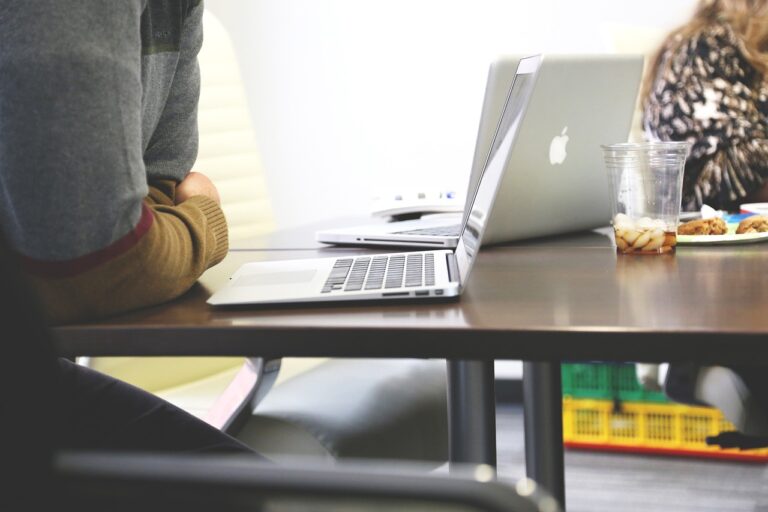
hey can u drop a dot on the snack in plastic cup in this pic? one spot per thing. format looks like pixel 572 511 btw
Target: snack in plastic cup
pixel 645 184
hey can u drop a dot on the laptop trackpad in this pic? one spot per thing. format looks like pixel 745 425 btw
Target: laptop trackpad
pixel 276 278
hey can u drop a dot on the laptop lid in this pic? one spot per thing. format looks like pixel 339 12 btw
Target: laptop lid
pixel 482 197
pixel 556 181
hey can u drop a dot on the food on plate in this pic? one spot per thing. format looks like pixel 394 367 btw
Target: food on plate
pixel 712 226
pixel 753 224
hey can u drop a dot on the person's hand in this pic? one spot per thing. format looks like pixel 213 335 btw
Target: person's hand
pixel 196 184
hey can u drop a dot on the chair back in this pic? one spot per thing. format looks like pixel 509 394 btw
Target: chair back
pixel 228 152
pixel 192 483
pixel 28 383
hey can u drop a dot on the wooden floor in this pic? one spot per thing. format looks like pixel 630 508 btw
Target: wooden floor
pixel 598 482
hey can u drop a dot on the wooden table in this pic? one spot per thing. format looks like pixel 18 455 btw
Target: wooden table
pixel 564 298
pixel 542 301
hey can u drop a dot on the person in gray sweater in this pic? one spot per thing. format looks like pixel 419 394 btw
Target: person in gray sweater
pixel 98 135
pixel 98 102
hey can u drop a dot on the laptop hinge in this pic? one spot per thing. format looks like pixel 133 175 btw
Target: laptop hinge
pixel 453 269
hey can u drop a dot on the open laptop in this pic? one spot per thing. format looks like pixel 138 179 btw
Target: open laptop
pixel 434 274
pixel 556 181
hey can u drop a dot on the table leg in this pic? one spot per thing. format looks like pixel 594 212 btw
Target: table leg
pixel 471 412
pixel 543 421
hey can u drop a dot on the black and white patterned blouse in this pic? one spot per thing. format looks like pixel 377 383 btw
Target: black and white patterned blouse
pixel 706 92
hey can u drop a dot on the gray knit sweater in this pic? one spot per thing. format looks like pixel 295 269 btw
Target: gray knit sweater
pixel 97 97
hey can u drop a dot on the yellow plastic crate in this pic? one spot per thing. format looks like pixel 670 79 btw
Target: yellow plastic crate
pixel 648 427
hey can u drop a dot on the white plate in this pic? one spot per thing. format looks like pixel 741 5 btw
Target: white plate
pixel 758 208
pixel 730 238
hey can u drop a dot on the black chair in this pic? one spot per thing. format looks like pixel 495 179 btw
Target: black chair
pixel 358 408
pixel 27 385
pixel 97 482
pixel 43 477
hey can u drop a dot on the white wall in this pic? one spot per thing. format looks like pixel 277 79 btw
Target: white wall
pixel 352 98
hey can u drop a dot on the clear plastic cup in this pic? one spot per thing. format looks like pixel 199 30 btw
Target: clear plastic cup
pixel 645 181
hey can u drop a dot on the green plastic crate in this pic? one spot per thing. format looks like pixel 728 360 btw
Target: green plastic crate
pixel 606 381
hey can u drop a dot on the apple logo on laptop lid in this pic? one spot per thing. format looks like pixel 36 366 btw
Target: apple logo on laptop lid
pixel 557 151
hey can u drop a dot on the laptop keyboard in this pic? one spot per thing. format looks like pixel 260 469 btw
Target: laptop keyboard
pixel 377 272
pixel 454 230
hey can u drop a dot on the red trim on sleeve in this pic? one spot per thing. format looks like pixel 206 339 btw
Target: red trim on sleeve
pixel 88 261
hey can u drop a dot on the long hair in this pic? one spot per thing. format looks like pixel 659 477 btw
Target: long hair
pixel 747 18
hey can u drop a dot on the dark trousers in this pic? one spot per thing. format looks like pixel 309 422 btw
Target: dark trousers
pixel 681 381
pixel 98 412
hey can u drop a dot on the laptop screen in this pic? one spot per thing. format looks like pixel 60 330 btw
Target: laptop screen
pixel 493 170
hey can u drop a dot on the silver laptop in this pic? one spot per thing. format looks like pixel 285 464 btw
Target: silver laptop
pixel 434 274
pixel 555 181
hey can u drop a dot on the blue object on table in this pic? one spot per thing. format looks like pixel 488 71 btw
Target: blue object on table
pixel 736 217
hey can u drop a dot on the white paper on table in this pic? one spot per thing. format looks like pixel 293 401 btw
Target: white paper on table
pixel 707 212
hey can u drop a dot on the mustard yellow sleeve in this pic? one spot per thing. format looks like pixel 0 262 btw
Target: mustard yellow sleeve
pixel 162 192
pixel 180 244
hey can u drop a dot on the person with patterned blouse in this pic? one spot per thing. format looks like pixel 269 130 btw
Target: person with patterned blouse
pixel 707 85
